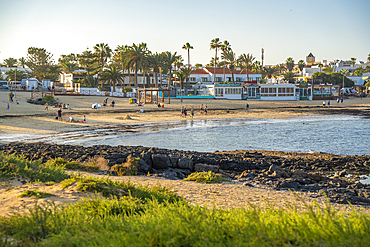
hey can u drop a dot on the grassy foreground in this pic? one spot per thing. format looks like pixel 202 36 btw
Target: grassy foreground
pixel 126 215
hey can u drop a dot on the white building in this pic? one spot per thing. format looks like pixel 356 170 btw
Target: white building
pixel 205 75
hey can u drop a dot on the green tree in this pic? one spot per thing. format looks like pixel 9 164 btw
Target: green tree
pixel 168 60
pixel 180 76
pixel 333 78
pixel 187 47
pixel 112 75
pixel 215 45
pixel 231 61
pixel 104 52
pixel 289 63
pixel 156 63
pixel 256 67
pixel 246 60
pixel 289 76
pixel 301 65
pixel 22 62
pixel 359 71
pixel 10 62
pixel 41 64
pixel 281 68
pixel 353 62
pixel 15 74
pixel 137 54
pixel 329 69
pixel 269 71
pixel 225 47
pixel 187 72
pixel 213 62
pixel 198 65
pixel 68 63
pixel 89 62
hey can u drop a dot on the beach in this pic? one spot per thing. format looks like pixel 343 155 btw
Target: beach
pixel 25 118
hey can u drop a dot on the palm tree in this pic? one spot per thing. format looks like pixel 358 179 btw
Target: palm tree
pixel 22 62
pixel 353 62
pixel 269 71
pixel 179 63
pixel 368 58
pixel 155 62
pixel 329 70
pixel 230 61
pixel 112 75
pixel 359 71
pixel 187 72
pixel 10 62
pixel 256 67
pixel 281 68
pixel 104 53
pixel 198 65
pixel 289 76
pixel 215 44
pixel 122 55
pixel 168 60
pixel 289 63
pixel 301 65
pixel 225 47
pixel 246 61
pixel 187 47
pixel 136 55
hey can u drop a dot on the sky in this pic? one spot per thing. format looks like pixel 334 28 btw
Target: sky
pixel 286 28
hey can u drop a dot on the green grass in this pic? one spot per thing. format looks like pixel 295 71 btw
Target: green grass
pixel 206 177
pixel 35 193
pixel 73 165
pixel 130 215
pixel 18 166
pixel 130 168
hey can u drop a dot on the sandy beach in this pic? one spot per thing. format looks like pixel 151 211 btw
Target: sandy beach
pixel 25 118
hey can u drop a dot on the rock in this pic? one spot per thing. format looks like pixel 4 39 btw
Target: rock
pixel 185 163
pixel 143 166
pixel 342 173
pixel 127 117
pixel 205 168
pixel 161 161
pixel 174 160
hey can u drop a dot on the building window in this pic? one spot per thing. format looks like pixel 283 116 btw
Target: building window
pixel 204 79
pixel 193 78
pixel 218 79
pixel 238 79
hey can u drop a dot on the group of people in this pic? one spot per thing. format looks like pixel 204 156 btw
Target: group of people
pixel 203 110
pixel 105 102
pixel 184 112
pixel 70 119
pixel 328 103
pixel 11 96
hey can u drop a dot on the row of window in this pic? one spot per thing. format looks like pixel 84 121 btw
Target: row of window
pixel 220 91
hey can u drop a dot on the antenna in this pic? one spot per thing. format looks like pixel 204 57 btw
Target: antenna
pixel 262 55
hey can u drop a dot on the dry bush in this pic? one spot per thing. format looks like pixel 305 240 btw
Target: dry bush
pixel 99 162
pixel 129 168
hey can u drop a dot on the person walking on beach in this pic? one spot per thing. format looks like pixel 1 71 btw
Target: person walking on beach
pixel 192 112
pixel 8 107
pixel 182 111
pixel 46 106
pixel 206 109
pixel 201 109
pixel 84 118
pixel 323 103
pixel 341 101
pixel 338 100
pixel 328 103
pixel 60 114
pixel 185 112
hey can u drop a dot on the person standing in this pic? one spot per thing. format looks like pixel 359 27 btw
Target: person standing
pixel 60 114
pixel 46 106
pixel 192 112
pixel 185 112
pixel 328 103
pixel 182 111
pixel 341 100
pixel 84 118
pixel 206 109
pixel 323 103
pixel 201 109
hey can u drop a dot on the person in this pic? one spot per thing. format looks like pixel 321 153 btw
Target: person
pixel 113 103
pixel 64 106
pixel 162 105
pixel 201 109
pixel 247 106
pixel 60 114
pixel 182 111
pixel 71 119
pixel 11 96
pixel 84 118
pixel 192 112
pixel 8 107
pixel 323 103
pixel 46 106
pixel 159 104
pixel 141 110
pixel 68 107
pixel 337 100
pixel 185 112
pixel 328 103
pixel 206 109
pixel 341 101
pixel 17 102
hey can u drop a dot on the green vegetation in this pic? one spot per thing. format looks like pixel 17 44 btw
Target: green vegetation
pixel 89 166
pixel 333 78
pixel 49 99
pixel 131 215
pixel 206 177
pixel 130 168
pixel 35 193
pixel 19 166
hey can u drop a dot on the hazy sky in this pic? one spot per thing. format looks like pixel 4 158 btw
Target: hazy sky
pixel 287 28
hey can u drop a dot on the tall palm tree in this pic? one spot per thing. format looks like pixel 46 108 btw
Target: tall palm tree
pixel 198 65
pixel 289 76
pixel 22 62
pixel 289 63
pixel 353 62
pixel 256 67
pixel 122 56
pixel 187 47
pixel 112 75
pixel 156 63
pixel 225 47
pixel 137 54
pixel 230 61
pixel 329 70
pixel 269 71
pixel 10 62
pixel 168 60
pixel 187 72
pixel 215 44
pixel 246 61
pixel 179 63
pixel 281 68
pixel 301 65
pixel 104 52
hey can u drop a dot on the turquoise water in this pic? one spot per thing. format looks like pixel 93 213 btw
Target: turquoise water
pixel 331 134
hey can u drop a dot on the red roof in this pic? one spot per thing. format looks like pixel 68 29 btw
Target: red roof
pixel 199 71
pixel 227 71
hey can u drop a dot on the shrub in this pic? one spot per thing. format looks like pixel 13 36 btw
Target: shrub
pixel 129 168
pixel 89 166
pixel 49 99
pixel 35 193
pixel 127 89
pixel 206 177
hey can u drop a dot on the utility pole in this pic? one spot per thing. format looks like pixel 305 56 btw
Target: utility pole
pixel 262 56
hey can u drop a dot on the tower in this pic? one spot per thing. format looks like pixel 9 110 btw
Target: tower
pixel 262 55
pixel 310 59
